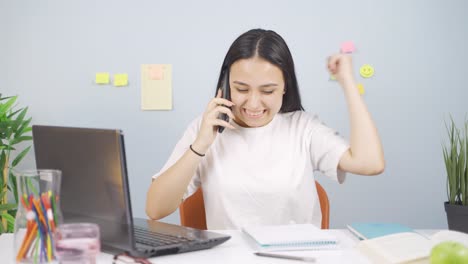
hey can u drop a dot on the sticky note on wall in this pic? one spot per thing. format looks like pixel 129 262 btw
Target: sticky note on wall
pixel 120 79
pixel 347 47
pixel 360 87
pixel 156 86
pixel 102 78
pixel 156 72
pixel 366 71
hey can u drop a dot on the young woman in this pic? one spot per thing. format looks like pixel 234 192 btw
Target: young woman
pixel 259 171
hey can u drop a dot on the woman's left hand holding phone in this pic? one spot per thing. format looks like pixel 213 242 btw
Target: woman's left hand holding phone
pixel 210 122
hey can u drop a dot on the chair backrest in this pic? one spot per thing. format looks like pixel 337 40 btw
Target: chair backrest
pixel 192 210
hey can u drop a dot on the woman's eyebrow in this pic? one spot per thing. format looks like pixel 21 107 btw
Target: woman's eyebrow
pixel 240 83
pixel 268 85
pixel 261 86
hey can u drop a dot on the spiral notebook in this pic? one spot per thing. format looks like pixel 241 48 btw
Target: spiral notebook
pixel 291 237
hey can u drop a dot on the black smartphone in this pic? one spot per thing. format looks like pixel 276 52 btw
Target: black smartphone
pixel 226 95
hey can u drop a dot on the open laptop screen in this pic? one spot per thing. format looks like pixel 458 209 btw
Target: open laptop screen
pixel 94 182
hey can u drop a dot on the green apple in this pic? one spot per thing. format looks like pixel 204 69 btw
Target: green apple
pixel 449 252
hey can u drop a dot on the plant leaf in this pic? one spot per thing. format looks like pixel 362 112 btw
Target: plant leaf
pixel 23 128
pixel 8 206
pixel 10 220
pixel 4 108
pixel 19 118
pixel 2 165
pixel 10 116
pixel 14 185
pixel 4 98
pixel 20 156
pixel 20 139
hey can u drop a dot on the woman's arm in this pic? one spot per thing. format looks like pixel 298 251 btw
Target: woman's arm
pixel 365 155
pixel 167 190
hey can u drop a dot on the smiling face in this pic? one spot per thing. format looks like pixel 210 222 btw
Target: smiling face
pixel 366 71
pixel 257 89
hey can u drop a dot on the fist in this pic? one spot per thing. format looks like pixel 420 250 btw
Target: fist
pixel 341 66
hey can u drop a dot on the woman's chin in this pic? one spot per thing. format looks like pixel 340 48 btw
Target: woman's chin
pixel 248 122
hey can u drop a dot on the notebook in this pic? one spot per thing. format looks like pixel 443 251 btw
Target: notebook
pixel 291 237
pixel 373 230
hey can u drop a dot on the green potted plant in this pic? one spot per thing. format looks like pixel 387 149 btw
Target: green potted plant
pixel 456 164
pixel 14 129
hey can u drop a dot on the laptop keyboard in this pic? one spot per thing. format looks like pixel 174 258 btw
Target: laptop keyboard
pixel 150 238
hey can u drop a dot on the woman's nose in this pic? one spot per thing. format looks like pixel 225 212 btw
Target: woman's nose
pixel 253 101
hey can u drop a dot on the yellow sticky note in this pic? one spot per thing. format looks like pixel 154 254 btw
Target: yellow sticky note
pixel 102 78
pixel 121 79
pixel 156 87
pixel 360 88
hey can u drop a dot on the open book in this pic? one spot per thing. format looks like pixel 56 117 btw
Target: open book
pixel 291 237
pixel 405 247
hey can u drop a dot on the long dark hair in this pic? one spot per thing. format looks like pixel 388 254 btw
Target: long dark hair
pixel 269 46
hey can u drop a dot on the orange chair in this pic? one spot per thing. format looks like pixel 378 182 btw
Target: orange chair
pixel 192 210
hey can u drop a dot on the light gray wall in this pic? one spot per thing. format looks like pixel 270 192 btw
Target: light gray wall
pixel 50 51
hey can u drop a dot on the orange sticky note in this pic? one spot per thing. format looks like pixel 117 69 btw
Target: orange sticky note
pixel 156 72
pixel 347 47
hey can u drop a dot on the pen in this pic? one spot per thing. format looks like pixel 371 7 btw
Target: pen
pixel 272 255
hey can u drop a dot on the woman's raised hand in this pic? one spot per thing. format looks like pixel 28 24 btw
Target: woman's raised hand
pixel 341 66
pixel 210 122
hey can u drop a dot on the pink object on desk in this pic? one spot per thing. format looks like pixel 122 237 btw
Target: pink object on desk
pixel 78 243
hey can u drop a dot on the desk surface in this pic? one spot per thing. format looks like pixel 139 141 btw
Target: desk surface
pixel 238 249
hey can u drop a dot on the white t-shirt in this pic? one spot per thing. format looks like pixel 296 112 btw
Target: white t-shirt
pixel 264 175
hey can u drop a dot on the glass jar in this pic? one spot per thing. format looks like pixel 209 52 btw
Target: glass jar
pixel 38 215
pixel 77 243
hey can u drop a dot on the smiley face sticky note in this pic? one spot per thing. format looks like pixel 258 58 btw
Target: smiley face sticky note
pixel 120 79
pixel 366 71
pixel 102 78
pixel 360 88
pixel 347 47
pixel 156 72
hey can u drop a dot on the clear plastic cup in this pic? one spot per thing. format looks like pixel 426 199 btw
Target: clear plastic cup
pixel 77 243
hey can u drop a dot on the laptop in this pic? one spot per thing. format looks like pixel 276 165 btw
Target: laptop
pixel 95 189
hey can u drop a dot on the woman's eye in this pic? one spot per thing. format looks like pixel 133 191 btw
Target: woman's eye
pixel 267 92
pixel 242 90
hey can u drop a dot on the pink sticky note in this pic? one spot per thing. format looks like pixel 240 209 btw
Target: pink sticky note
pixel 347 47
pixel 156 72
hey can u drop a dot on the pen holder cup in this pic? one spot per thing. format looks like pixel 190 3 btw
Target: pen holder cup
pixel 38 215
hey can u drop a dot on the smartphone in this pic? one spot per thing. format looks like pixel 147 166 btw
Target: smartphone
pixel 226 95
